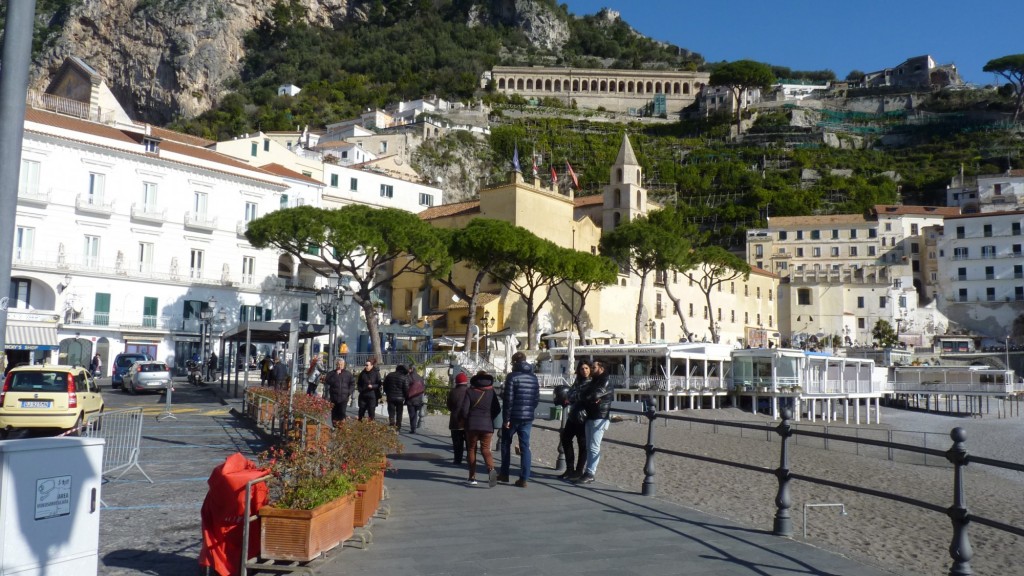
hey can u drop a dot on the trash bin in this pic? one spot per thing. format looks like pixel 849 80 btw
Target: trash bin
pixel 222 513
pixel 556 413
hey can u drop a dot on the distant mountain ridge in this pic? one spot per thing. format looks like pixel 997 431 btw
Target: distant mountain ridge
pixel 174 59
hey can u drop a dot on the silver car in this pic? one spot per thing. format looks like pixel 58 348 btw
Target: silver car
pixel 147 375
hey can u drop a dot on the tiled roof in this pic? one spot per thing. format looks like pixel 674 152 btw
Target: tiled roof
pixel 782 221
pixel 986 214
pixel 583 201
pixel 119 139
pixel 454 209
pixel 762 272
pixel 893 210
pixel 165 134
pixel 285 172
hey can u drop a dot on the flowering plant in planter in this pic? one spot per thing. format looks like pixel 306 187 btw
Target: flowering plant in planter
pixel 305 474
pixel 310 406
pixel 363 446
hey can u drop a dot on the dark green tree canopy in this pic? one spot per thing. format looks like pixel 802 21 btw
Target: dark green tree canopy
pixel 743 74
pixel 1012 68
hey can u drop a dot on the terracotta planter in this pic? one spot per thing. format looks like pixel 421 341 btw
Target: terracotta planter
pixel 302 535
pixel 367 498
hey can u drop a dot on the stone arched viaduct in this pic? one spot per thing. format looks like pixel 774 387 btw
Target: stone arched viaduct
pixel 616 90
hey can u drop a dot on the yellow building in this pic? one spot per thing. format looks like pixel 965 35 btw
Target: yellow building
pixel 745 311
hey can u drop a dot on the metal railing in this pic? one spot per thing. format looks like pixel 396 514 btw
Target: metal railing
pixel 957 455
pixel 122 431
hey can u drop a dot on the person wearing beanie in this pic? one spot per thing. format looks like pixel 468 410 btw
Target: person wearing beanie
pixel 480 408
pixel 456 421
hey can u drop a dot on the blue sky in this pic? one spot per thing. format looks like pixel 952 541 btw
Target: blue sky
pixel 842 36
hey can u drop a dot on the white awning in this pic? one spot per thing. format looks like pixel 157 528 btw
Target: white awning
pixel 31 337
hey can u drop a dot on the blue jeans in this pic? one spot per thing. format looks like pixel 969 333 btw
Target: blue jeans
pixel 595 433
pixel 522 428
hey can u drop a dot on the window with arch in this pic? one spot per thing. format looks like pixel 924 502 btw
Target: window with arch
pixel 649 87
pixel 558 85
pixel 618 175
pixel 617 219
pixel 630 87
pixel 639 87
pixel 622 86
pixel 576 85
pixel 657 87
pixel 662 330
pixel 547 85
pixel 501 84
pixel 529 84
pixel 615 198
pixel 593 86
pixel 604 86
pixel 519 84
pixel 638 182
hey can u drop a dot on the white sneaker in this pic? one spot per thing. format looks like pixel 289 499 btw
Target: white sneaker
pixel 471 481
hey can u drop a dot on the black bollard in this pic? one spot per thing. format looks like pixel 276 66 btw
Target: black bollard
pixel 960 547
pixel 560 461
pixel 783 525
pixel 647 489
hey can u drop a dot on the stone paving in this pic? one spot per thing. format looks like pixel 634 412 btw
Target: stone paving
pixel 438 525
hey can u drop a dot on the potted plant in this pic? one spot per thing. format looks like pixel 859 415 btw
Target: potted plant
pixel 311 414
pixel 364 446
pixel 312 500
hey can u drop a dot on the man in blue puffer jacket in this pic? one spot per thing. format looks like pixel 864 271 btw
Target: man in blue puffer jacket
pixel 519 400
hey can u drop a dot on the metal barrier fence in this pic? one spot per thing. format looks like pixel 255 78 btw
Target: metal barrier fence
pixel 122 430
pixel 960 550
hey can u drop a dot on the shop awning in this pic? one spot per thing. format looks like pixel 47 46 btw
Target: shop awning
pixel 31 337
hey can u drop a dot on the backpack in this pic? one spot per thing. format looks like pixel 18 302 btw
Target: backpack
pixel 416 387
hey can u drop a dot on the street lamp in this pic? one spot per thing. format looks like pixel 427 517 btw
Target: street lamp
pixel 1007 351
pixel 651 324
pixel 206 314
pixel 488 323
pixel 717 336
pixel 329 298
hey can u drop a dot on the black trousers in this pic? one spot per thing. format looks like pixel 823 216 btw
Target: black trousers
pixel 367 405
pixel 395 409
pixel 458 444
pixel 578 432
pixel 339 409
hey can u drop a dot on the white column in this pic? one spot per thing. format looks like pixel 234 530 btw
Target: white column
pixel 878 410
pixel 846 409
pixel 856 410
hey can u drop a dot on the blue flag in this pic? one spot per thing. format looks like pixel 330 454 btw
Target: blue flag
pixel 515 159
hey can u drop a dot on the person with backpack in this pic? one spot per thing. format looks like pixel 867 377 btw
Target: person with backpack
pixel 396 387
pixel 479 409
pixel 414 398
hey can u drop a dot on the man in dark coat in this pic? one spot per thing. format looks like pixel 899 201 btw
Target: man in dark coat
pixel 280 374
pixel 520 397
pixel 597 398
pixel 396 387
pixel 339 383
pixel 456 420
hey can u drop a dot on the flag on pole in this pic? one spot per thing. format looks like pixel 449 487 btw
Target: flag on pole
pixel 575 181
pixel 554 175
pixel 536 172
pixel 515 160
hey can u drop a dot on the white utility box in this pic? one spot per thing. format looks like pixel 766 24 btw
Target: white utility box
pixel 50 506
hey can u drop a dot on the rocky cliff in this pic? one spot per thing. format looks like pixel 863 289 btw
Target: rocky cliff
pixel 166 59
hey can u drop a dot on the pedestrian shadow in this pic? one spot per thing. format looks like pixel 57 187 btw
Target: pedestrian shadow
pixel 149 562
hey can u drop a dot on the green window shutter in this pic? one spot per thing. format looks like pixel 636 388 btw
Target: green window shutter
pixel 101 309
pixel 149 306
pixel 266 315
pixel 304 312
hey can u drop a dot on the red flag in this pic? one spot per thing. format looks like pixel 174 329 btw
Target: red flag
pixel 575 181
pixel 554 175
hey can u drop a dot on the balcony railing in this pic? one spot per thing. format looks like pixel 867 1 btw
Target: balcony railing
pixel 147 213
pixel 94 205
pixel 241 227
pixel 200 221
pixel 33 195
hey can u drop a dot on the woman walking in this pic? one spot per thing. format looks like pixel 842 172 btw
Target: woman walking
pixel 480 408
pixel 575 426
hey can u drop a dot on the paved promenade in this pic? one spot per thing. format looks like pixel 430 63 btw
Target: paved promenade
pixel 439 526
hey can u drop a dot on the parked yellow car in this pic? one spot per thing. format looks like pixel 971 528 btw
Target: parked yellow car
pixel 48 396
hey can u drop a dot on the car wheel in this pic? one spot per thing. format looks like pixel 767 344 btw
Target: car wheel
pixel 130 387
pixel 76 430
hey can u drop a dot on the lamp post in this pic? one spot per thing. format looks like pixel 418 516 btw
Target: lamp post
pixel 1007 351
pixel 330 299
pixel 717 336
pixel 206 316
pixel 488 323
pixel 650 329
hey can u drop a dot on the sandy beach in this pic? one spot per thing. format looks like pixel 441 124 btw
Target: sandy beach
pixel 902 538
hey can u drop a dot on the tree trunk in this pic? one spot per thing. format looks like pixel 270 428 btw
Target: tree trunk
pixel 471 317
pixel 640 308
pixel 679 311
pixel 531 323
pixel 370 314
